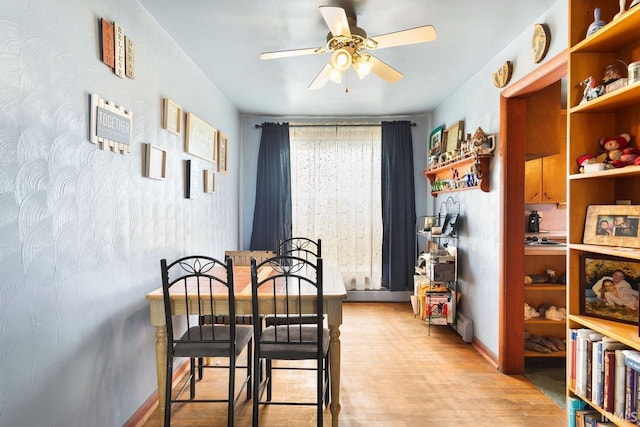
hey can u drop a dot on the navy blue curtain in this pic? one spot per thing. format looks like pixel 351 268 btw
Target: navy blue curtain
pixel 398 206
pixel 272 214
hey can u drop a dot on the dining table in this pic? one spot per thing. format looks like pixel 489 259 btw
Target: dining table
pixel 333 294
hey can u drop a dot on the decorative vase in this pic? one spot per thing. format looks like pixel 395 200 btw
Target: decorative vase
pixel 597 22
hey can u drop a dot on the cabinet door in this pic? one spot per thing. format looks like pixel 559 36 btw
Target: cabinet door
pixel 554 184
pixel 533 181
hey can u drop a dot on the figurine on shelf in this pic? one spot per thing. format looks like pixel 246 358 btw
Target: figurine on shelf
pixel 591 90
pixel 597 22
pixel 619 14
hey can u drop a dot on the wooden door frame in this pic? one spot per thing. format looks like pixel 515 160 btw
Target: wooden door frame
pixel 512 153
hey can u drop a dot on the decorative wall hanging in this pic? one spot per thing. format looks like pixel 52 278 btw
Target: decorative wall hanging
pixel 540 43
pixel 187 179
pixel 172 117
pixel 223 147
pixel 201 139
pixel 209 181
pixel 452 137
pixel 503 75
pixel 117 50
pixel 109 125
pixel 155 162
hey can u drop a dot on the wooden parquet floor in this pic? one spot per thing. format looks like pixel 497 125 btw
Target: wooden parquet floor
pixel 394 374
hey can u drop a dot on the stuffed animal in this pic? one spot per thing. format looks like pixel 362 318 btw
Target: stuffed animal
pixel 619 154
pixel 615 152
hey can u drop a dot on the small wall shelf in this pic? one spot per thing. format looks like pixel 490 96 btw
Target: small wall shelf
pixel 453 172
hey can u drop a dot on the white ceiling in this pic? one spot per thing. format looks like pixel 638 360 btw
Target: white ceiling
pixel 224 38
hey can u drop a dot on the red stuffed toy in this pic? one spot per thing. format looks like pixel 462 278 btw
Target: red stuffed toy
pixel 619 154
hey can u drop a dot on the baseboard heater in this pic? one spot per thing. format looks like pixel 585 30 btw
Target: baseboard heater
pixel 464 327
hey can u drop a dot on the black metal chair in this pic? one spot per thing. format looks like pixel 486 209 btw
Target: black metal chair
pixel 188 337
pixel 302 247
pixel 285 294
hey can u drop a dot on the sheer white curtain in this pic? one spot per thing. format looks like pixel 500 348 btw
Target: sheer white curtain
pixel 335 186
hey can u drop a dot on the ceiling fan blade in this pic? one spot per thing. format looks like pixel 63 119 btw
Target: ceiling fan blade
pixel 321 79
pixel 384 71
pixel 336 20
pixel 293 52
pixel 423 34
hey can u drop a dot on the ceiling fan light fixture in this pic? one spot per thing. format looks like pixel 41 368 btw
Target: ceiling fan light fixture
pixel 362 65
pixel 341 59
pixel 335 75
pixel 370 44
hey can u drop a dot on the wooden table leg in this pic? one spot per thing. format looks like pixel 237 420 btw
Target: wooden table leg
pixel 161 366
pixel 334 318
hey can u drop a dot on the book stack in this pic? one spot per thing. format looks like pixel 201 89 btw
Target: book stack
pixel 604 373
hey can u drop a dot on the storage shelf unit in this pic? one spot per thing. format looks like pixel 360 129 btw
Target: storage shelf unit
pixel 611 114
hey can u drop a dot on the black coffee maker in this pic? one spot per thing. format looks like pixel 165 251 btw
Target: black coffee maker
pixel 533 225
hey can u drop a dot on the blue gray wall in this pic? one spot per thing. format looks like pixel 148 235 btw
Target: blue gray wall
pixel 81 231
pixel 478 103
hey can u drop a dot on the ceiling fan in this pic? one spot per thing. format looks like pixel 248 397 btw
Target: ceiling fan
pixel 348 44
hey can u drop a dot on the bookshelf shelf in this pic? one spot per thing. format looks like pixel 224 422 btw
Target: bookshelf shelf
pixel 610 114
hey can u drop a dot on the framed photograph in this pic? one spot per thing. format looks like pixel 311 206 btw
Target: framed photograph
pixel 609 287
pixel 449 224
pixel 223 148
pixel 155 162
pixel 172 117
pixel 209 181
pixel 454 135
pixel 612 225
pixel 201 139
pixel 435 141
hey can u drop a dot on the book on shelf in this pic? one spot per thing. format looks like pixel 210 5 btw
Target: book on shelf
pixel 632 388
pixel 594 339
pixel 574 404
pixel 619 384
pixel 582 343
pixel 585 416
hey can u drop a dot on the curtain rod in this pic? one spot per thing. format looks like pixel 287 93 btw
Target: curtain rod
pixel 314 125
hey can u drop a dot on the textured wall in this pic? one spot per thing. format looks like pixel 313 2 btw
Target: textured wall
pixel 478 104
pixel 81 231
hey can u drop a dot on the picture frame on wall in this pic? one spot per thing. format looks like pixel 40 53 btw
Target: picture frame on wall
pixel 155 162
pixel 435 141
pixel 609 287
pixel 223 150
pixel 201 139
pixel 209 181
pixel 172 117
pixel 612 225
pixel 454 135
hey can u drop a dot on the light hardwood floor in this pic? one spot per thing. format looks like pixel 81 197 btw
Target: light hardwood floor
pixel 394 374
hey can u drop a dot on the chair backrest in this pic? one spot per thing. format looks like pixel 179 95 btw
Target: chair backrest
pixel 301 247
pixel 189 284
pixel 289 288
pixel 244 257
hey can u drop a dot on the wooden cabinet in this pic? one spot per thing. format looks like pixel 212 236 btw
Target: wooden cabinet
pixel 545 178
pixel 538 260
pixel 610 114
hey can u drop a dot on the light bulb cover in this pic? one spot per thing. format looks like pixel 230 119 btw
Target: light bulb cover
pixel 341 59
pixel 335 75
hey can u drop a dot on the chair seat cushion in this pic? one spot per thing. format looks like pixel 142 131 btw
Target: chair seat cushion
pixel 203 344
pixel 309 319
pixel 292 347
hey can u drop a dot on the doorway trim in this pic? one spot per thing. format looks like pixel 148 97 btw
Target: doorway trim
pixel 512 206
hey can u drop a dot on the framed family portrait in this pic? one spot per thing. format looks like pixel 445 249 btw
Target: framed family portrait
pixel 612 225
pixel 609 287
pixel 435 141
pixel 201 140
